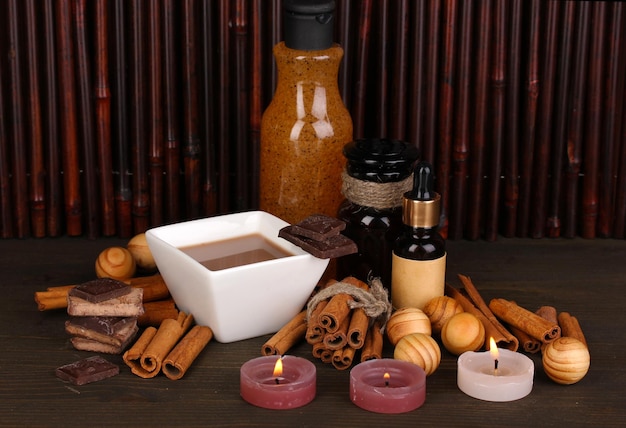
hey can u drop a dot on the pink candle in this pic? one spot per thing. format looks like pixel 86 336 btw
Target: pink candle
pixel 275 382
pixel 388 386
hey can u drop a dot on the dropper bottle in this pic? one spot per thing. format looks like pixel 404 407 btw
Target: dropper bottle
pixel 418 266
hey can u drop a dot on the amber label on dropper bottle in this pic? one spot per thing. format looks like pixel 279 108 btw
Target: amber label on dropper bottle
pixel 415 282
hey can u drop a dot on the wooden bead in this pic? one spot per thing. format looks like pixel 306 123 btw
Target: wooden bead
pixel 420 349
pixel 566 360
pixel 440 309
pixel 138 247
pixel 463 332
pixel 115 262
pixel 406 321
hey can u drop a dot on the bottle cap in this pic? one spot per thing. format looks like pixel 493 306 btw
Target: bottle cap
pixel 309 24
pixel 379 159
pixel 421 205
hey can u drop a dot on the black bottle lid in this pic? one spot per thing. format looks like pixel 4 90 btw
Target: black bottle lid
pixel 421 205
pixel 379 159
pixel 309 24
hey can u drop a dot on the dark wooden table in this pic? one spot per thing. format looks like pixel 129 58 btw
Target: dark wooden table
pixel 584 277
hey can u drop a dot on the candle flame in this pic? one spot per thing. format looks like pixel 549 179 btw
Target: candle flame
pixel 278 368
pixel 386 376
pixel 493 349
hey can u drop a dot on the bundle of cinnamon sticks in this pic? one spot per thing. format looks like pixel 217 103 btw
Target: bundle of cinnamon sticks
pixel 336 325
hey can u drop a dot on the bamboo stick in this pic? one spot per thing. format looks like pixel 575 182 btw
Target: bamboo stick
pixel 123 191
pixel 360 70
pixel 344 23
pixel 397 120
pixel 69 136
pixel 428 152
pixel 476 170
pixel 527 142
pixel 17 138
pixel 541 161
pixel 50 124
pixel 497 112
pixel 256 95
pixel 382 70
pixel 85 119
pixel 223 100
pixel 37 170
pixel 240 84
pixel 510 162
pixel 170 93
pixel 460 148
pixel 619 217
pixel 560 119
pixel 103 118
pixel 141 193
pixel 446 109
pixel 614 103
pixel 6 219
pixel 155 118
pixel 575 120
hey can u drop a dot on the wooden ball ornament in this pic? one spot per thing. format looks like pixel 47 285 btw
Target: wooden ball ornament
pixel 115 262
pixel 463 332
pixel 420 349
pixel 138 247
pixel 440 309
pixel 406 321
pixel 566 360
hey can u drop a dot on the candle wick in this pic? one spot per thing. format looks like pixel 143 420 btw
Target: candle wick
pixel 277 381
pixel 495 367
pixel 386 383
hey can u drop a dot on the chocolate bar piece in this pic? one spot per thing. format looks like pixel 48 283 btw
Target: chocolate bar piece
pixel 111 330
pixel 84 344
pixel 128 305
pixel 101 289
pixel 89 370
pixel 318 227
pixel 336 246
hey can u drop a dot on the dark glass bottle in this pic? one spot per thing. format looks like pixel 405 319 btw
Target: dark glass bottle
pixel 419 254
pixel 378 173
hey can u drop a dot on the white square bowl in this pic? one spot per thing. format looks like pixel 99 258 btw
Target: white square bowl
pixel 240 302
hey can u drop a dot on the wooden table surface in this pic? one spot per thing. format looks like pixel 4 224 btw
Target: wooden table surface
pixel 584 277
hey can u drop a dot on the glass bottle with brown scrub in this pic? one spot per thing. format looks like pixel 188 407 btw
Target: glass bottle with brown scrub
pixel 378 173
pixel 419 255
pixel 306 125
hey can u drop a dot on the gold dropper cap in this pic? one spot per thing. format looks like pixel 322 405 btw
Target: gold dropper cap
pixel 421 206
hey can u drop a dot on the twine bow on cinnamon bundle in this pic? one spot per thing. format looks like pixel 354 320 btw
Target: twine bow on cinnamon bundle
pixel 343 317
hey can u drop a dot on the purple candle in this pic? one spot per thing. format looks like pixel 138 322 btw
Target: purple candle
pixel 388 386
pixel 275 382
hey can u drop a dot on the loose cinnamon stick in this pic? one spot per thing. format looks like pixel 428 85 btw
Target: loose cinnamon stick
pixel 548 312
pixel 186 351
pixel 475 296
pixel 525 320
pixel 156 312
pixel 510 343
pixel 529 344
pixel 148 362
pixel 290 334
pixel 132 356
pixel 373 347
pixel 570 327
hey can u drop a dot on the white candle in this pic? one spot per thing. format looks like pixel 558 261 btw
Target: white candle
pixel 502 375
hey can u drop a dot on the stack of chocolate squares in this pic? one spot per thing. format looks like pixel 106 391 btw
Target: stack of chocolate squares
pixel 103 315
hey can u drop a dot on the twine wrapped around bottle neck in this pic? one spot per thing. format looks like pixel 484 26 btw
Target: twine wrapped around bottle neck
pixel 381 196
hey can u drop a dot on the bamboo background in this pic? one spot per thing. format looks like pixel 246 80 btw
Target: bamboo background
pixel 119 115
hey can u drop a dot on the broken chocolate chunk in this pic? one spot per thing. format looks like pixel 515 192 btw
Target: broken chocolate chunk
pixel 89 370
pixel 319 227
pixel 101 289
pixel 336 246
